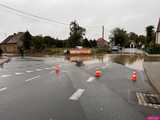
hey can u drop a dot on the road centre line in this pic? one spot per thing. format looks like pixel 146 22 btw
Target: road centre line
pixel 30 79
pixel 3 89
pixel 77 94
pixel 49 68
pixel 28 71
pixel 46 68
pixel 4 76
pixel 38 69
pixel 90 79
pixel 19 73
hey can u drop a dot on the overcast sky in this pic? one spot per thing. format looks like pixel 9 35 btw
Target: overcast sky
pixel 132 15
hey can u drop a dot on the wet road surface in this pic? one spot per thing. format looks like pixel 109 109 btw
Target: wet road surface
pixel 30 89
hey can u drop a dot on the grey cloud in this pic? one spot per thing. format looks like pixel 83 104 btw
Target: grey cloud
pixel 133 15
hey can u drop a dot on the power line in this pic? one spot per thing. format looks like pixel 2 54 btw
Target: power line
pixel 20 13
pixel 40 17
pixel 32 15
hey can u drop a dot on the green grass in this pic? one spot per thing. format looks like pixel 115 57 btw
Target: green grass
pixel 55 51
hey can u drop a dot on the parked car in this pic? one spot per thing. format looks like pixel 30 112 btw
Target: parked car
pixel 115 48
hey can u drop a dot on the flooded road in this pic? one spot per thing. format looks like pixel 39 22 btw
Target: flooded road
pixel 133 61
pixel 37 89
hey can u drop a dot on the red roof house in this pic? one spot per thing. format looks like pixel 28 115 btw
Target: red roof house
pixel 102 42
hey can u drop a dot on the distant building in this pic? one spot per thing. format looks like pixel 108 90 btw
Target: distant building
pixel 12 42
pixel 102 43
pixel 158 33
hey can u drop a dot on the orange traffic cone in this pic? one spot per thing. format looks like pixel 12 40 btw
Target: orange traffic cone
pixel 134 76
pixel 57 68
pixel 98 73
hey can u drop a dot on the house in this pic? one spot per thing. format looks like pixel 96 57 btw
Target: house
pixel 158 33
pixel 12 42
pixel 102 43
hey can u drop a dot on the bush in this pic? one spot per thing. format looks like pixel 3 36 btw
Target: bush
pixel 101 50
pixel 153 50
pixel 53 51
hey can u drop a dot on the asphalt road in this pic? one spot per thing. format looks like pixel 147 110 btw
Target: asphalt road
pixel 31 90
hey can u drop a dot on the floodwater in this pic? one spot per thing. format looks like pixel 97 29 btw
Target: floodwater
pixel 133 61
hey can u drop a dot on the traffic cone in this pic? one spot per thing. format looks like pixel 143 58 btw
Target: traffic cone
pixel 134 76
pixel 57 69
pixel 98 73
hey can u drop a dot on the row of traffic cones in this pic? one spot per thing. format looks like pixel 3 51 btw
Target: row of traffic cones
pixel 133 77
pixel 98 73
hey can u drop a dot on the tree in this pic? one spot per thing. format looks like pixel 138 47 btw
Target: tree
pixel 150 36
pixel 93 43
pixel 38 42
pixel 27 40
pixel 59 43
pixel 49 42
pixel 76 34
pixel 142 40
pixel 119 37
pixel 133 37
pixel 86 43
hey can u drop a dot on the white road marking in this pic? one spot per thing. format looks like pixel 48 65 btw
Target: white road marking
pixel 32 78
pixel 91 79
pixel 38 69
pixel 6 75
pixel 18 73
pixel 3 89
pixel 47 68
pixel 142 98
pixel 29 71
pixel 139 99
pixel 51 68
pixel 77 94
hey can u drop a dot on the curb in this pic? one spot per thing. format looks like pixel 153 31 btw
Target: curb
pixel 151 55
pixel 150 81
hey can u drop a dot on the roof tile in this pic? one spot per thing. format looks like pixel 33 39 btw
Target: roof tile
pixel 13 38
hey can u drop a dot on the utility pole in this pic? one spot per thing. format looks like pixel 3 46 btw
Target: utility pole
pixel 103 31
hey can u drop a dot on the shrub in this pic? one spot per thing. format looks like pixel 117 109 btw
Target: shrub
pixel 101 50
pixel 153 50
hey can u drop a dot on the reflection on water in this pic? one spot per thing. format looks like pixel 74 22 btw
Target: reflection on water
pixel 126 59
pixel 74 58
pixel 131 61
pixel 134 61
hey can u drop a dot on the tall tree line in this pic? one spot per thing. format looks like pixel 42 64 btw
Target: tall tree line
pixel 76 38
pixel 121 37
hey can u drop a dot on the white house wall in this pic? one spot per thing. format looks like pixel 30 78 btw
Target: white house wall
pixel 158 38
